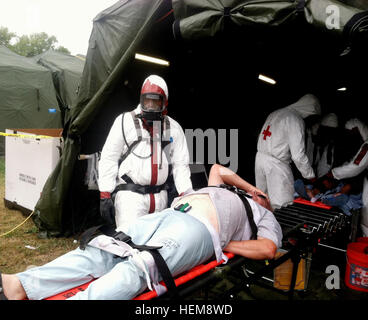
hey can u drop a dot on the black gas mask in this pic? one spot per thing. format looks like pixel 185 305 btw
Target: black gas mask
pixel 152 105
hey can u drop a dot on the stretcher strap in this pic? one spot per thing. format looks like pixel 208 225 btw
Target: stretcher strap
pixel 165 273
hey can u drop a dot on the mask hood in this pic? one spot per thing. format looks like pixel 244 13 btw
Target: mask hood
pixel 330 120
pixel 306 106
pixel 356 123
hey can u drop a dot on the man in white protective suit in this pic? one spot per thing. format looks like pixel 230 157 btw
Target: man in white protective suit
pixel 282 140
pixel 357 167
pixel 141 150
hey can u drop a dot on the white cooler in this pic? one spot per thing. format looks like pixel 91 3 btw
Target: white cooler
pixel 28 164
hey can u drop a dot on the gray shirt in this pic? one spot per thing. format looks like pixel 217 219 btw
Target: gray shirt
pixel 233 220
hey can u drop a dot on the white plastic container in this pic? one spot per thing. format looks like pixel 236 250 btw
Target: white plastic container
pixel 28 163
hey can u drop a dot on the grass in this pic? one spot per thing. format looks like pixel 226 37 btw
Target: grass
pixel 14 255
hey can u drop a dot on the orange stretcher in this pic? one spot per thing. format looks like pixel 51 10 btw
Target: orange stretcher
pixel 318 204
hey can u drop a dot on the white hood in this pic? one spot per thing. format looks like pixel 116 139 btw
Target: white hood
pixel 330 120
pixel 307 105
pixel 356 123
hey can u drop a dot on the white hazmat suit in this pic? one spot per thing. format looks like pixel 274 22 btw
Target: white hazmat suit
pixel 357 165
pixel 146 165
pixel 282 140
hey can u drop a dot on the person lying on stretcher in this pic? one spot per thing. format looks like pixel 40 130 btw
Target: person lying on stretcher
pixel 205 223
pixel 345 194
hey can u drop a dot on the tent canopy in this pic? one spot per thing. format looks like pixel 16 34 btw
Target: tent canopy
pixel 216 51
pixel 66 72
pixel 27 95
pixel 199 19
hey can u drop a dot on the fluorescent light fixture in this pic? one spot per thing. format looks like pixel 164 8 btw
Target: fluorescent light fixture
pixel 266 79
pixel 143 57
pixel 342 89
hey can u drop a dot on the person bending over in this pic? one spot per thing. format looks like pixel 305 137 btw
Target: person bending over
pixel 214 220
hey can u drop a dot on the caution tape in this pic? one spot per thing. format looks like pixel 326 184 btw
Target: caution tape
pixel 24 135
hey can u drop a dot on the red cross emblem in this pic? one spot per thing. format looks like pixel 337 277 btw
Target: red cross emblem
pixel 266 133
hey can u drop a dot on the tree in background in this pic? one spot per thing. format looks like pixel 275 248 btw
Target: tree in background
pixel 31 45
pixel 6 36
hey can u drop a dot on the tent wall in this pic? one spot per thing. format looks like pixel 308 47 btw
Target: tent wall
pixel 66 73
pixel 26 95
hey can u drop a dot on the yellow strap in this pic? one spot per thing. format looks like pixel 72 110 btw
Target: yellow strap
pixel 24 135
pixel 6 233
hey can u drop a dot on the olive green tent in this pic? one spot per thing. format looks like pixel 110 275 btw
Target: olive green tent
pixel 27 95
pixel 66 73
pixel 216 50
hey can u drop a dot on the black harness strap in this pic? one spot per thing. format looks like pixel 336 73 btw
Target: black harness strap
pixel 164 142
pixel 243 196
pixel 161 265
pixel 127 179
pixel 165 147
pixel 249 211
pixel 88 235
pixel 141 189
pixel 165 273
pixel 123 237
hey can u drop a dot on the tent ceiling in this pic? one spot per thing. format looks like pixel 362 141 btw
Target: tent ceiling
pixel 299 58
